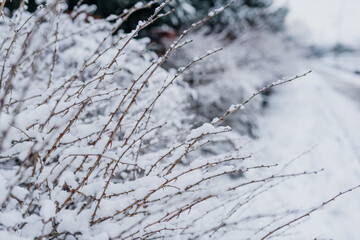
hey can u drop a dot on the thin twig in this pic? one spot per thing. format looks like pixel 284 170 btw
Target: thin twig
pixel 2 7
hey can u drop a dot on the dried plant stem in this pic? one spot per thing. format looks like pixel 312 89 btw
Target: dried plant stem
pixel 64 132
pixel 2 7
pixel 54 55
pixel 274 177
pixel 113 171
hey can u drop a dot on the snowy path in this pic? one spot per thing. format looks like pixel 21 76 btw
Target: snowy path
pixel 320 115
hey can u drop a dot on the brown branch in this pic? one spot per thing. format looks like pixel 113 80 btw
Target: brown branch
pixel 274 177
pixel 2 7
pixel 64 132
pixel 54 54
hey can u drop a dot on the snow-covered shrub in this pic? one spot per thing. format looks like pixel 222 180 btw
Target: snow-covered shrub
pixel 252 60
pixel 96 143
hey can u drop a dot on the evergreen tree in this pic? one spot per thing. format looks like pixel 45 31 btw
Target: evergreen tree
pixel 242 14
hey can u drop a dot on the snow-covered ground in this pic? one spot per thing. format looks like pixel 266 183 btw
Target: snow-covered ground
pixel 316 121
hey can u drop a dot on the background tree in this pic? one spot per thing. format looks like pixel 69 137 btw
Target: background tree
pixel 244 13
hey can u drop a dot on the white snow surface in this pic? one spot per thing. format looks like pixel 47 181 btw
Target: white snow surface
pixel 313 124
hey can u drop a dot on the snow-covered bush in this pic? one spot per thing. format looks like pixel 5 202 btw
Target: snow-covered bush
pixel 252 60
pixel 96 142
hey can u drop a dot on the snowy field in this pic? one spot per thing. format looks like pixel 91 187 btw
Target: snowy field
pixel 316 122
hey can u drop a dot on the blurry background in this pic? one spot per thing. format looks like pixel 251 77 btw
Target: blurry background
pixel 324 22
